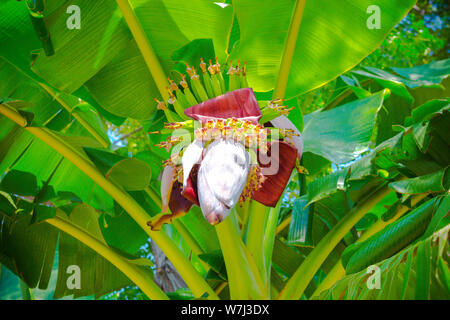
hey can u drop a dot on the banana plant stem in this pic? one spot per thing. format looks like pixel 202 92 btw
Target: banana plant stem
pixel 338 271
pixel 244 279
pixel 255 235
pixel 13 114
pixel 192 278
pixel 143 281
pixel 220 287
pixel 289 49
pixel 269 241
pixel 187 236
pixel 299 281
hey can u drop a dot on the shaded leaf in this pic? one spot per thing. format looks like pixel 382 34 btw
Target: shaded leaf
pixel 300 228
pixel 20 183
pixel 343 133
pixel 433 182
pixel 27 250
pixel 132 174
pixel 122 232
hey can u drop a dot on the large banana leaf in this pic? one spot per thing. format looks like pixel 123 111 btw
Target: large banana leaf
pixel 434 182
pixel 389 240
pixel 16 85
pixel 21 150
pixel 334 36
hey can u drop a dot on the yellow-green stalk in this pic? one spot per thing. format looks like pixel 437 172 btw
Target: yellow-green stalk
pixel 219 75
pixel 289 48
pixel 244 83
pixel 234 81
pixel 177 106
pixel 171 116
pixel 192 101
pixel 244 279
pixel 215 81
pixel 206 79
pixel 196 85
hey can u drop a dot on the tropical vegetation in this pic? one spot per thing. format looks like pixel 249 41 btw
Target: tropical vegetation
pixel 133 133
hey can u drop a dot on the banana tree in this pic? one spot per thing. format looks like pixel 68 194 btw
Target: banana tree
pixel 218 93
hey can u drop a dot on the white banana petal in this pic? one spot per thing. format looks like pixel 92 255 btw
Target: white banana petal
pixel 166 186
pixel 222 177
pixel 191 155
pixel 227 168
pixel 213 210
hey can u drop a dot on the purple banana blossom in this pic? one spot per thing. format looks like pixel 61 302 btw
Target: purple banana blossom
pixel 217 170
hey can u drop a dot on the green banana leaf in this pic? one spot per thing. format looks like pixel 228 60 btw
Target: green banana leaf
pixel 329 43
pixel 420 271
pixel 347 132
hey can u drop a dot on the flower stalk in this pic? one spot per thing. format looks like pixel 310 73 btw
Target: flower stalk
pixel 244 279
pixel 269 241
pixel 255 236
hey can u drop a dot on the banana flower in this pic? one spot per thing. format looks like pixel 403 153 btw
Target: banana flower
pixel 232 159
